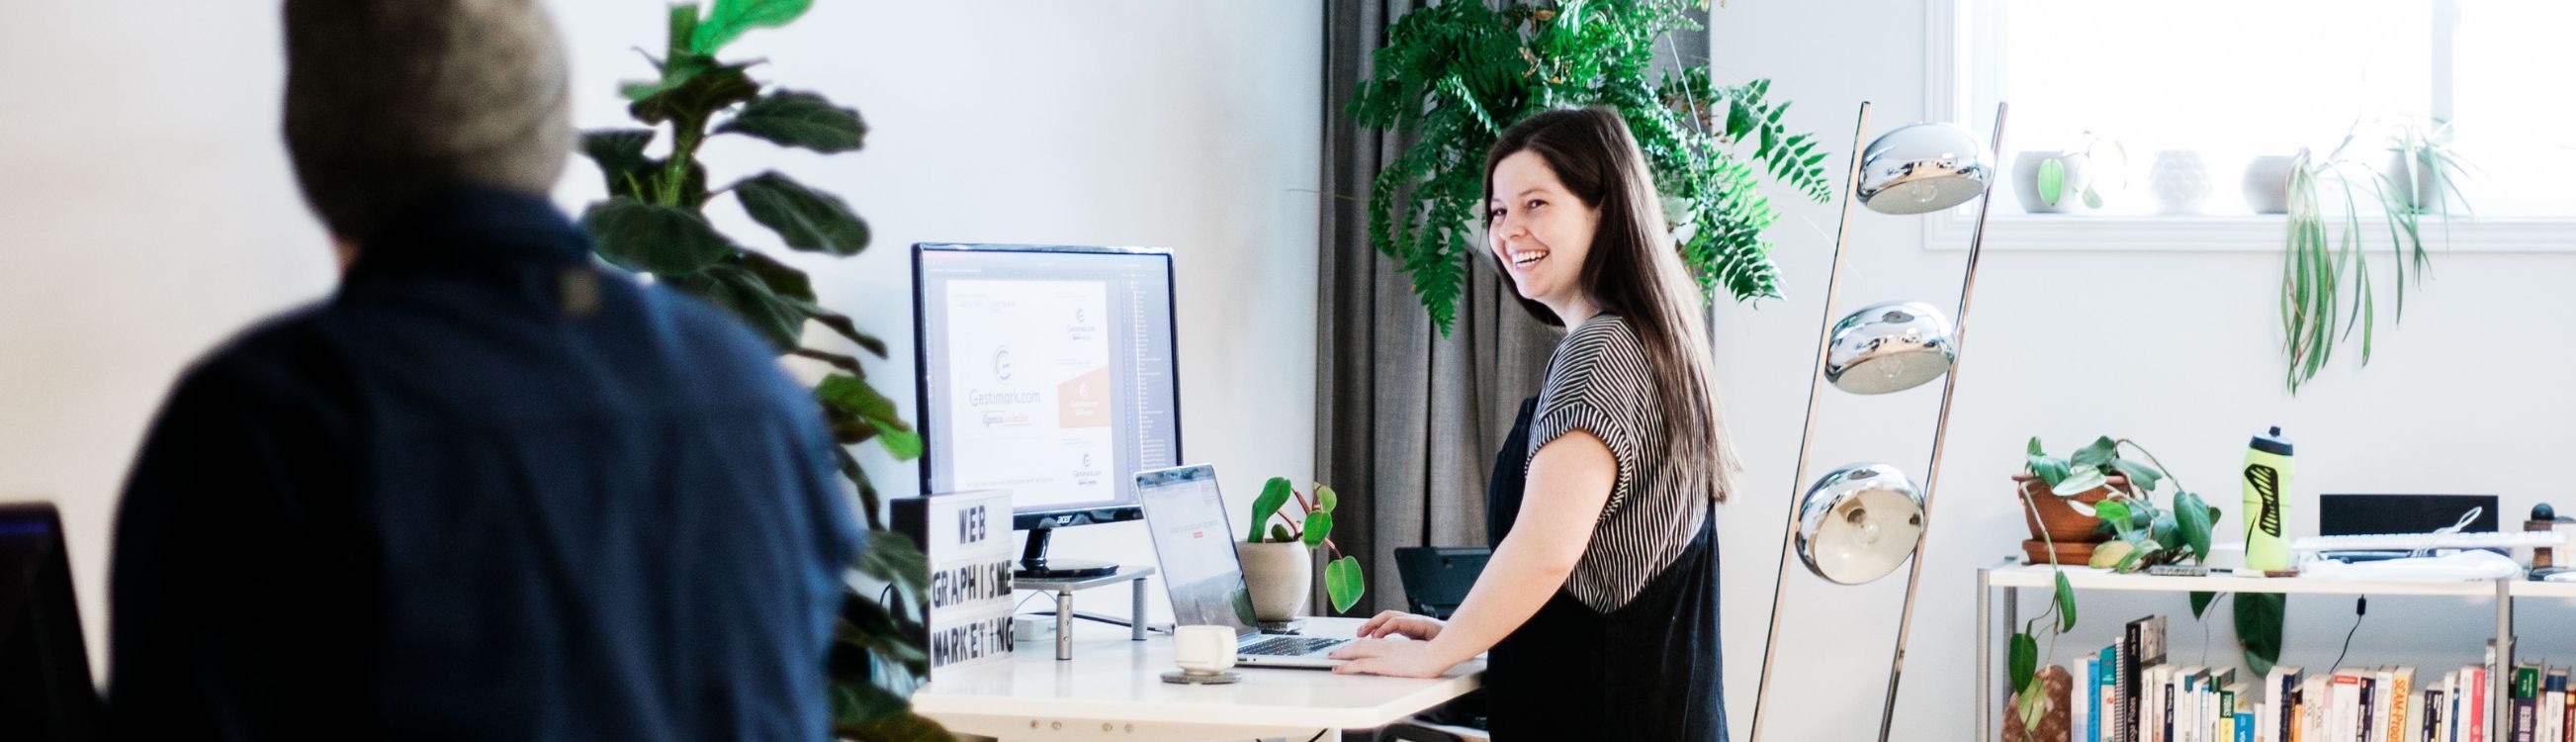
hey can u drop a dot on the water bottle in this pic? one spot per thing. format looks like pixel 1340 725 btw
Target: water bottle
pixel 2267 486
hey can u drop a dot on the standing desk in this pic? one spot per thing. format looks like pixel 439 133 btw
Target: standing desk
pixel 1112 689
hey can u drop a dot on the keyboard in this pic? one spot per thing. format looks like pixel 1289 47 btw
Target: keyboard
pixel 1287 646
pixel 2415 541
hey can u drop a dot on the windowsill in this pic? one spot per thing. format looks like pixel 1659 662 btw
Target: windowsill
pixel 2011 229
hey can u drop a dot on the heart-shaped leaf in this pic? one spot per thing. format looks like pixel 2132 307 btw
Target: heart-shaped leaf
pixel 2052 181
pixel 2192 520
pixel 805 218
pixel 664 240
pixel 2065 604
pixel 1343 583
pixel 2142 477
pixel 697 96
pixel 1319 526
pixel 1279 533
pixel 2200 600
pixel 2258 628
pixel 2100 452
pixel 2034 447
pixel 2049 470
pixel 2024 659
pixel 2079 482
pixel 620 156
pixel 739 291
pixel 797 119
pixel 731 18
pixel 1274 493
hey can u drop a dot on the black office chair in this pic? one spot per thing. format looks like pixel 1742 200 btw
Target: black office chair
pixel 43 660
pixel 1436 579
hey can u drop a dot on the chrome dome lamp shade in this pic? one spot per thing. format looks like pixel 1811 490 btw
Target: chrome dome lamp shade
pixel 1859 523
pixel 1921 168
pixel 1889 347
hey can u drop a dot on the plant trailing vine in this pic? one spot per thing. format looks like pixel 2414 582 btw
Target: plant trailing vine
pixel 2408 171
pixel 654 221
pixel 1454 75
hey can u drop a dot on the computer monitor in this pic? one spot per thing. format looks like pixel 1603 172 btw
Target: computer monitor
pixel 44 664
pixel 1050 372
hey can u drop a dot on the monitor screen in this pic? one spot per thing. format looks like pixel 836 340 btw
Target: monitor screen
pixel 1045 371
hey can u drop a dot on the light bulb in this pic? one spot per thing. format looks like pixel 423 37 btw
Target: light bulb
pixel 1923 193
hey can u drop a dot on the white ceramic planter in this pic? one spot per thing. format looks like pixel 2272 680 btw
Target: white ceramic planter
pixel 2267 184
pixel 1281 577
pixel 2181 180
pixel 2079 174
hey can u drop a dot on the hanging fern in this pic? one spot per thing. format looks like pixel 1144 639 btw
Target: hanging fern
pixel 1454 75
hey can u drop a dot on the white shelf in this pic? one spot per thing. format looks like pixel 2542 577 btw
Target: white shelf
pixel 2529 589
pixel 2088 578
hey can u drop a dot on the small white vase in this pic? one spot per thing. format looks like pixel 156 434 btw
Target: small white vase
pixel 2181 181
pixel 2267 184
pixel 1281 577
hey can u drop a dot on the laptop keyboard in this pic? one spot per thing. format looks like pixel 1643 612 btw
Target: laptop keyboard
pixel 1288 646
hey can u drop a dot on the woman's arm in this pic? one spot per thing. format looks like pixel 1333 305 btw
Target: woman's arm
pixel 1569 484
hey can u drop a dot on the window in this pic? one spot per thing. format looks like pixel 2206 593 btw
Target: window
pixel 2228 80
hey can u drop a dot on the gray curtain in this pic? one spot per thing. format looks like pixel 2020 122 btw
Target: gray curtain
pixel 1407 421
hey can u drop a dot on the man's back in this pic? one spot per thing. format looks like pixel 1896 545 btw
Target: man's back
pixel 487 491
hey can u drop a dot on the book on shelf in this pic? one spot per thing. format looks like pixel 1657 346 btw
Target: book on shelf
pixel 2526 702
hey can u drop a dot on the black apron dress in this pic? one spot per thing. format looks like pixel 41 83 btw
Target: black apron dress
pixel 1647 671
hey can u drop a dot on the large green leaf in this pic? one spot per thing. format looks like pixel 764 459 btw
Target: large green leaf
pixel 1274 493
pixel 620 156
pixel 2024 659
pixel 2200 600
pixel 1326 499
pixel 807 219
pixel 2100 452
pixel 906 727
pixel 894 558
pixel 2079 482
pixel 746 296
pixel 797 119
pixel 2192 519
pixel 855 396
pixel 731 18
pixel 2065 603
pixel 696 97
pixel 2258 628
pixel 665 240
pixel 784 280
pixel 2052 181
pixel 1319 526
pixel 1343 583
pixel 2141 476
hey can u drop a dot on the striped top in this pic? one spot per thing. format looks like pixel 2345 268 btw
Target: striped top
pixel 1598 381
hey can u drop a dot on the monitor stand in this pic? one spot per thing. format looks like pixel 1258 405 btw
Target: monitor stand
pixel 1034 564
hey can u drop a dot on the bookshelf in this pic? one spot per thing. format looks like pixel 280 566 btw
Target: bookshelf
pixel 2011 577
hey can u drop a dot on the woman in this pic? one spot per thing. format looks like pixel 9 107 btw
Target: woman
pixel 1600 602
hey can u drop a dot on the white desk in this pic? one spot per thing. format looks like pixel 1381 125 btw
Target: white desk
pixel 1112 690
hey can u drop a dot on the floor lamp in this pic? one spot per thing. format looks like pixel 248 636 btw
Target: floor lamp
pixel 1860 521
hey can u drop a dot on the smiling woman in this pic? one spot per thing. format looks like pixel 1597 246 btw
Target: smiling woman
pixel 1605 552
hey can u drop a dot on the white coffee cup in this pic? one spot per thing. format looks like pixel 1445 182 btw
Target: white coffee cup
pixel 1203 649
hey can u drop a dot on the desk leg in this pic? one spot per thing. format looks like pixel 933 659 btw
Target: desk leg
pixel 1136 612
pixel 1985 654
pixel 1063 625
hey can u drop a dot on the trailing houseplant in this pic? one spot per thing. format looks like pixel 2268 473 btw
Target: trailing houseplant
pixel 654 222
pixel 1454 75
pixel 2140 535
pixel 2326 291
pixel 1278 552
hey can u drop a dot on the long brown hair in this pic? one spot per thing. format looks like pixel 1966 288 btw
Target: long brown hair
pixel 1633 271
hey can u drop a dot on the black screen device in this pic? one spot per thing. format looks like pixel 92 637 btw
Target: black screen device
pixel 1436 578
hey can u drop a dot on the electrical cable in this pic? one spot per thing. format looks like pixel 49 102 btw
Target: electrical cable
pixel 2360 607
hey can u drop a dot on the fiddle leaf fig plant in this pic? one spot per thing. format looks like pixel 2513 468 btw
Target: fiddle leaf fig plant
pixel 654 221
pixel 1309 523
pixel 1454 75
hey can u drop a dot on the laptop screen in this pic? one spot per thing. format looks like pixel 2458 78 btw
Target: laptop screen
pixel 1195 544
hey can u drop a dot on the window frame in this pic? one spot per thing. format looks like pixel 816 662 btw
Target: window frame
pixel 1947 45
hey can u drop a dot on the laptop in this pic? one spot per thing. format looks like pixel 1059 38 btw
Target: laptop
pixel 44 663
pixel 1195 543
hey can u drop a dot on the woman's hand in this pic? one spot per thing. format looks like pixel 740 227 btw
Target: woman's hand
pixel 1400 659
pixel 1399 623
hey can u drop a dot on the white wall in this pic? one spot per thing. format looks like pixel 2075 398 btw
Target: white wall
pixel 2175 349
pixel 152 212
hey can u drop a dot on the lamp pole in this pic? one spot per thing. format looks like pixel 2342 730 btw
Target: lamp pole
pixel 1940 436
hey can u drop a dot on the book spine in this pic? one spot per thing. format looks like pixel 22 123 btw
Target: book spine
pixel 2128 681
pixel 2526 704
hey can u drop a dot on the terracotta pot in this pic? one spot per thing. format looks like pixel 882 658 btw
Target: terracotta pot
pixel 2069 553
pixel 1281 577
pixel 2063 524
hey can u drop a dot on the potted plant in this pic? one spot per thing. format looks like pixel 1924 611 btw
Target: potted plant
pixel 1454 75
pixel 654 221
pixel 2140 535
pixel 2404 168
pixel 2071 179
pixel 1278 553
